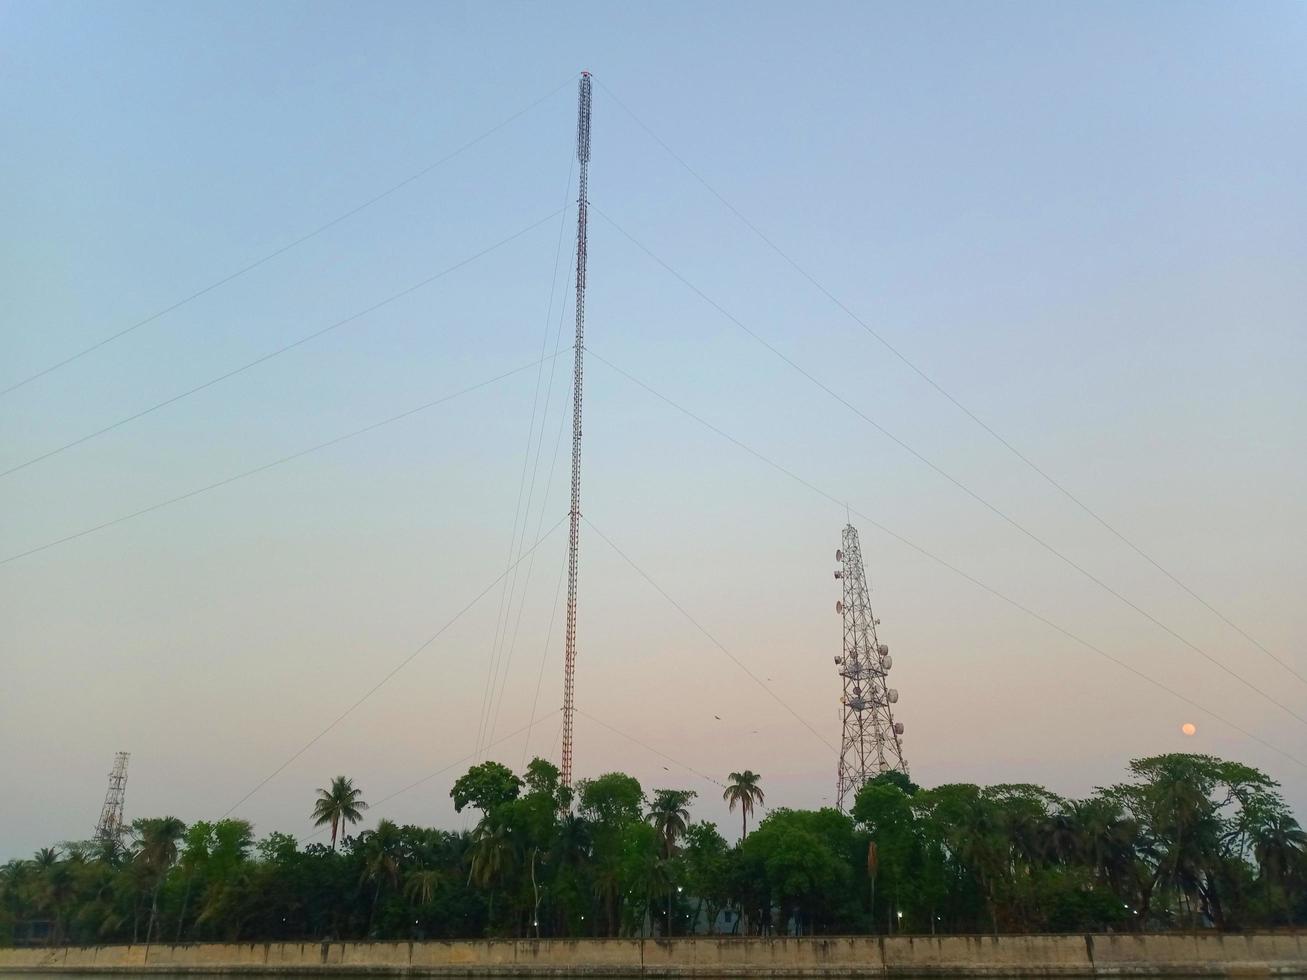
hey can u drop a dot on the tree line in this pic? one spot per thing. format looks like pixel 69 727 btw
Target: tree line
pixel 1186 841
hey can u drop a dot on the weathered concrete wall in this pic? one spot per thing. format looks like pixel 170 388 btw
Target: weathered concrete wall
pixel 1195 954
pixel 782 956
pixel 987 955
pixel 1281 955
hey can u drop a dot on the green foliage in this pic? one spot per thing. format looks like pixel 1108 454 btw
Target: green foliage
pixel 669 814
pixel 642 875
pixel 799 861
pixel 1187 841
pixel 743 791
pixel 893 777
pixel 544 780
pixel 486 787
pixel 612 799
pixel 340 803
pixel 706 869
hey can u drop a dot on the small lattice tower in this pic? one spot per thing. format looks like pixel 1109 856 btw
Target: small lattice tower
pixel 110 827
pixel 872 742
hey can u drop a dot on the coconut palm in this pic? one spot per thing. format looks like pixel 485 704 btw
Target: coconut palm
pixel 650 879
pixel 341 803
pixel 156 853
pixel 156 840
pixel 669 814
pixel 60 891
pixel 1061 836
pixel 573 841
pixel 194 857
pixel 743 791
pixel 1110 844
pixel 14 876
pixel 1278 845
pixel 420 886
pixel 47 873
pixel 381 861
pixel 491 856
pixel 46 858
pixel 607 884
pixel 109 851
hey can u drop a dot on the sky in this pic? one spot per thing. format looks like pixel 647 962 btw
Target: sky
pixel 1086 223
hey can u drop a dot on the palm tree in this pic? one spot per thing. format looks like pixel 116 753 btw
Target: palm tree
pixel 46 858
pixel 420 886
pixel 572 842
pixel 1278 844
pixel 650 879
pixel 47 872
pixel 13 882
pixel 492 856
pixel 339 804
pixel 157 839
pixel 381 849
pixel 669 813
pixel 491 853
pixel 570 853
pixel 109 851
pixel 60 890
pixel 1109 843
pixel 744 791
pixel 1061 837
pixel 194 856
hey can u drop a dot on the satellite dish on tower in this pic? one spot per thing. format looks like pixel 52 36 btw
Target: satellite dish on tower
pixel 870 743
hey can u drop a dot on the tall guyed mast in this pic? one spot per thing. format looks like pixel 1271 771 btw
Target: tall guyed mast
pixel 582 204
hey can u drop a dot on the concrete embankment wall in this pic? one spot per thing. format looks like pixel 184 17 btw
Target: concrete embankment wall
pixel 1281 955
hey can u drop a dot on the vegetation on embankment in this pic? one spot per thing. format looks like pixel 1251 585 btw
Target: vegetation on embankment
pixel 1188 841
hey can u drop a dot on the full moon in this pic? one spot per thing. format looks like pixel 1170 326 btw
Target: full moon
pixel 1189 728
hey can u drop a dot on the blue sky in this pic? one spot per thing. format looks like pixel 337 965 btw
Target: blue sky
pixel 1086 222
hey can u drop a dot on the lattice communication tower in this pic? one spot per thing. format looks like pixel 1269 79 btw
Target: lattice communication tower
pixel 110 827
pixel 582 206
pixel 872 741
